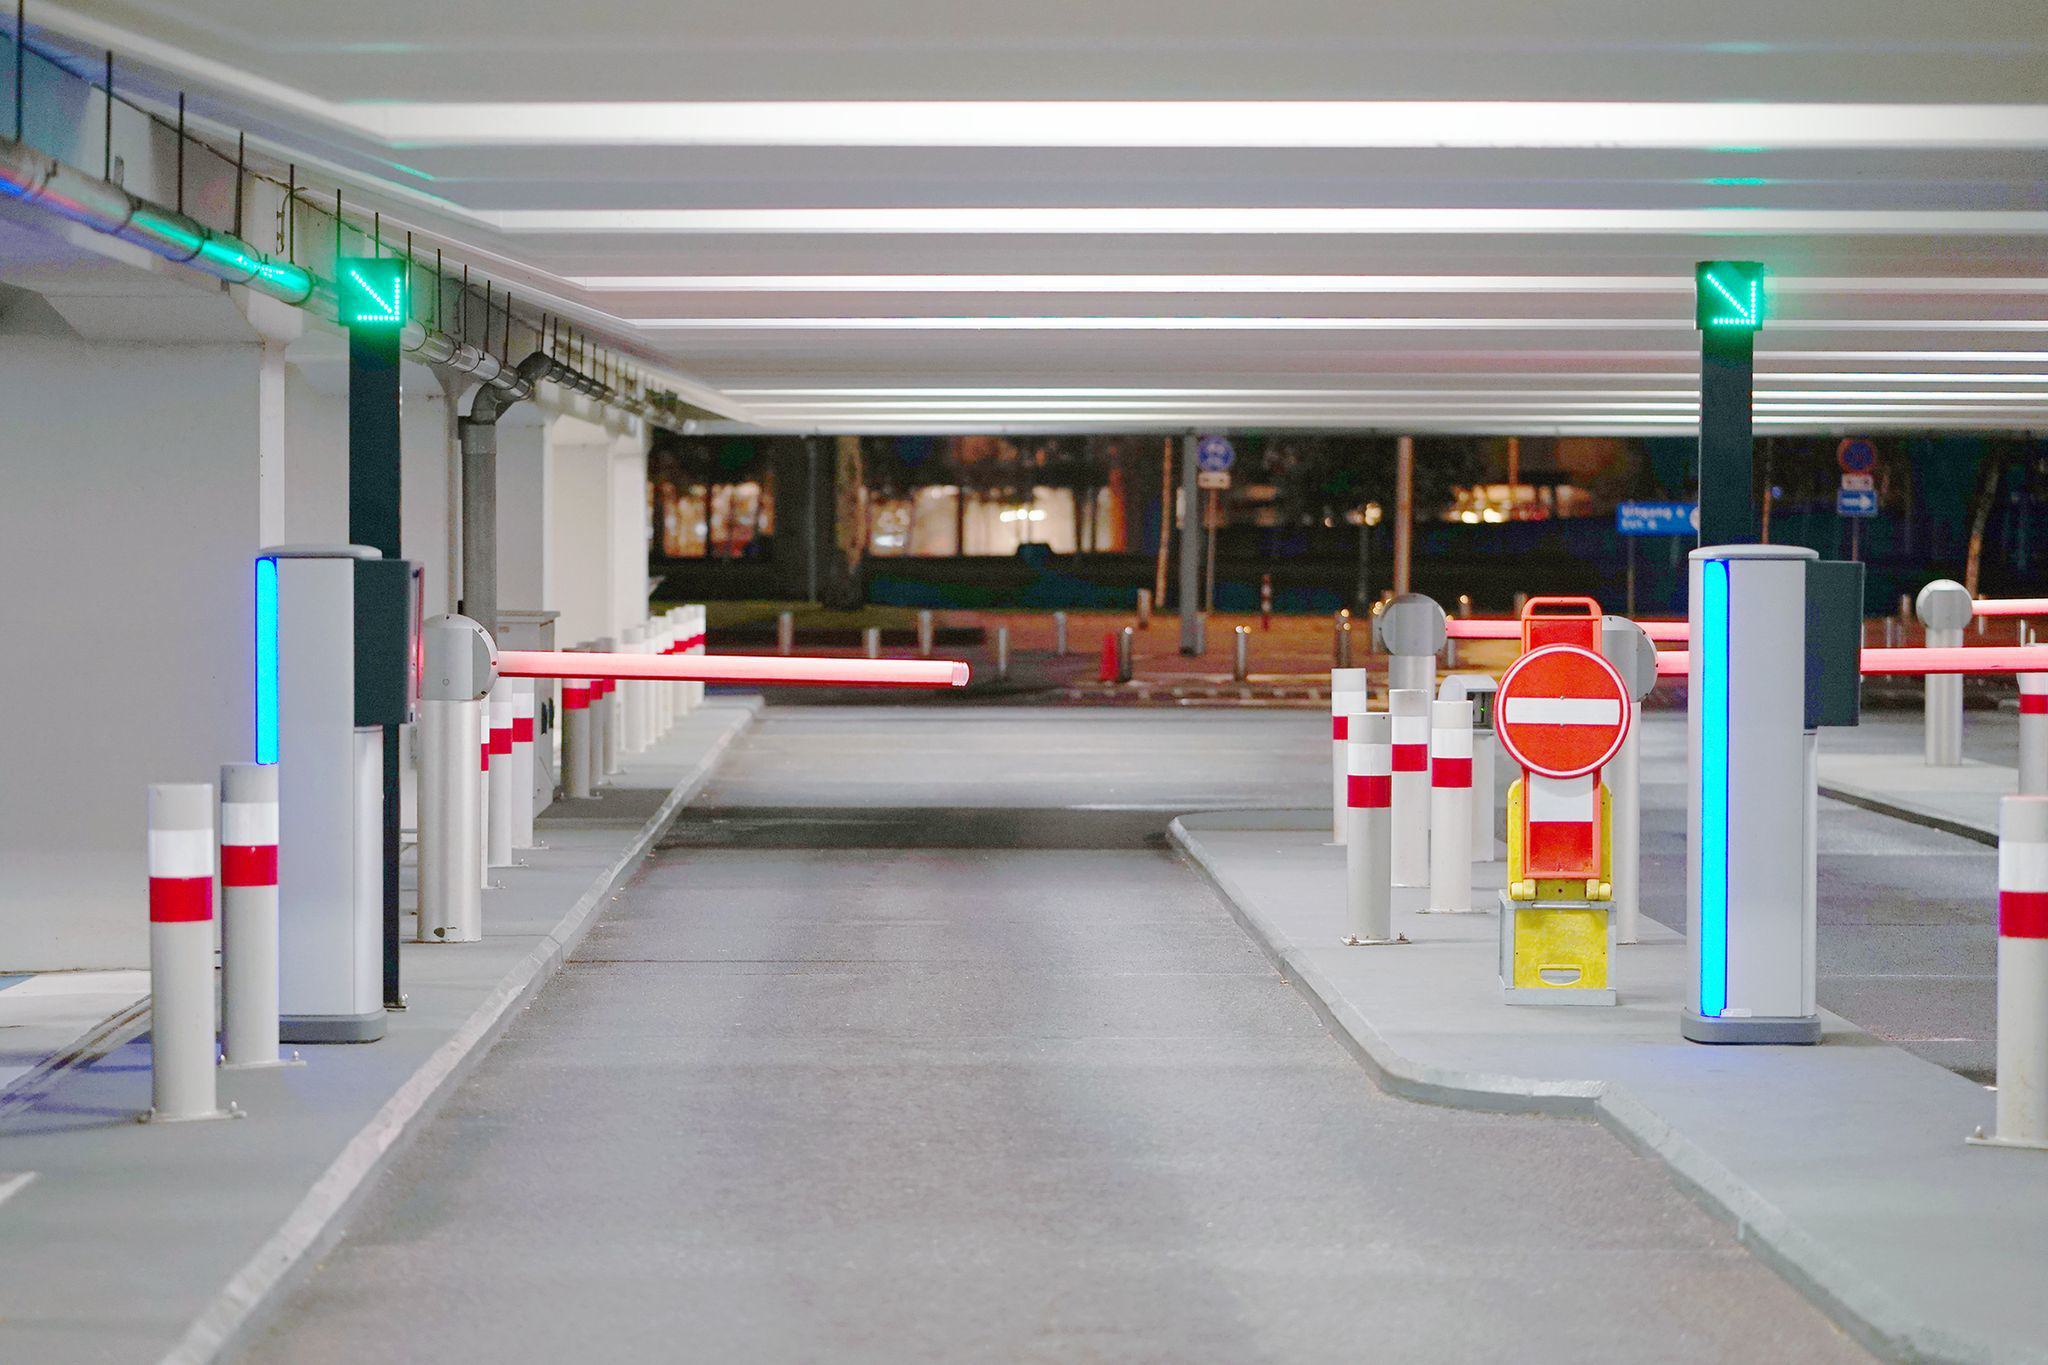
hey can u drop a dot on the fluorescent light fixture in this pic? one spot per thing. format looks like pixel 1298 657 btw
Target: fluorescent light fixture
pixel 1237 323
pixel 266 661
pixel 1712 647
pixel 1269 284
pixel 1271 221
pixel 1426 124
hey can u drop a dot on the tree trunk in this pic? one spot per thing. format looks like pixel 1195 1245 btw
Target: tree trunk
pixel 1987 497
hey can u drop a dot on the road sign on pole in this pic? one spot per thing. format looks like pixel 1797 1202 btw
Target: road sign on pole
pixel 1856 456
pixel 1214 455
pixel 1562 711
pixel 1656 519
pixel 1855 502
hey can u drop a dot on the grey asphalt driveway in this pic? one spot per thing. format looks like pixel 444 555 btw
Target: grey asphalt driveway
pixel 914 1043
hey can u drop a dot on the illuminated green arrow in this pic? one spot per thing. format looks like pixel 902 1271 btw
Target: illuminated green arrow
pixel 1730 295
pixel 375 295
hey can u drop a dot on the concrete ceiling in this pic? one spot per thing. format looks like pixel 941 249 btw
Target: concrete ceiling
pixel 1474 215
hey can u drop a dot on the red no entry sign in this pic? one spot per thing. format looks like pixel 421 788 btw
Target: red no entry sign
pixel 1562 711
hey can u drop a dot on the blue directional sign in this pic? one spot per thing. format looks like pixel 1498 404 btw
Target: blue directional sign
pixel 1657 519
pixel 1856 502
pixel 1214 454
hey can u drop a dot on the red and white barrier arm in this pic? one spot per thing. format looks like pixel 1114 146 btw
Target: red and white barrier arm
pixel 2010 606
pixel 734 668
pixel 1475 628
pixel 1988 659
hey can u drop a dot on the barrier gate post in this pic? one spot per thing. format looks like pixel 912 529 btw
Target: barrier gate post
pixel 1411 631
pixel 1944 608
pixel 1348 698
pixel 248 906
pixel 576 738
pixel 1624 644
pixel 460 668
pixel 2021 1116
pixel 1480 690
pixel 181 1072
pixel 522 763
pixel 1409 709
pixel 1368 844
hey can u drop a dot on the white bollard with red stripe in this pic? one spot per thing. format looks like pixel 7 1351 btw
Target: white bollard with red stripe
pixel 522 762
pixel 181 1056
pixel 576 738
pixel 1450 808
pixel 2034 734
pixel 1368 844
pixel 498 813
pixel 2021 1116
pixel 248 912
pixel 1409 709
pixel 1348 697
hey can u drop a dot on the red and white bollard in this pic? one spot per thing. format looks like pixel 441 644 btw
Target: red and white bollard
pixel 699 643
pixel 248 912
pixel 2034 734
pixel 498 813
pixel 1450 808
pixel 1368 845
pixel 181 1056
pixel 576 738
pixel 1409 709
pixel 2021 1117
pixel 522 762
pixel 1348 697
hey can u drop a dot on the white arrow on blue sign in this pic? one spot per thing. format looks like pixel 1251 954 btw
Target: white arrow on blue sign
pixel 1214 454
pixel 1856 502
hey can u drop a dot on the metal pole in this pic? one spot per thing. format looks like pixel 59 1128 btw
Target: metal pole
pixel 1145 601
pixel 1631 543
pixel 924 634
pixel 1126 655
pixel 498 818
pixel 1059 633
pixel 522 763
pixel 1340 642
pixel 181 1072
pixel 1623 779
pixel 1349 700
pixel 871 641
pixel 1944 706
pixel 451 733
pixel 1189 597
pixel 1240 646
pixel 1209 585
pixel 1165 517
pixel 1002 652
pixel 785 632
pixel 2034 734
pixel 248 931
pixel 1404 511
pixel 576 738
pixel 1727 453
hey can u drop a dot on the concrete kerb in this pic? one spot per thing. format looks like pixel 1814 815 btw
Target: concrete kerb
pixel 244 1305
pixel 1877 805
pixel 1860 1308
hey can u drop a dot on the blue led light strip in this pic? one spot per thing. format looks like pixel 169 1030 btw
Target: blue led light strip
pixel 266 661
pixel 1713 704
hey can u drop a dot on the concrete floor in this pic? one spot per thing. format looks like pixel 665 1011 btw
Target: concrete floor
pixel 915 1044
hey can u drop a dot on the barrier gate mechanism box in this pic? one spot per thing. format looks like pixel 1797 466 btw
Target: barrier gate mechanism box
pixel 1775 649
pixel 333 668
pixel 1562 714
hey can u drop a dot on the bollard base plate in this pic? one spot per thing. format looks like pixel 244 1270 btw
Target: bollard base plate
pixel 233 1111
pixel 1354 941
pixel 1980 1138
pixel 294 1060
pixel 1455 910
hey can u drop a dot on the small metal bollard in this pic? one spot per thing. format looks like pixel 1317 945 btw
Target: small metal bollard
pixel 785 632
pixel 1144 608
pixel 871 642
pixel 182 1081
pixel 1240 651
pixel 1126 651
pixel 1002 652
pixel 1368 832
pixel 1465 605
pixel 1450 808
pixel 1059 633
pixel 1905 608
pixel 2034 734
pixel 1341 645
pixel 1891 632
pixel 924 634
pixel 1201 633
pixel 498 813
pixel 1409 708
pixel 1265 601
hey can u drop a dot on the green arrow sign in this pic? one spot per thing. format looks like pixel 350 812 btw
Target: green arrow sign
pixel 1729 296
pixel 372 291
